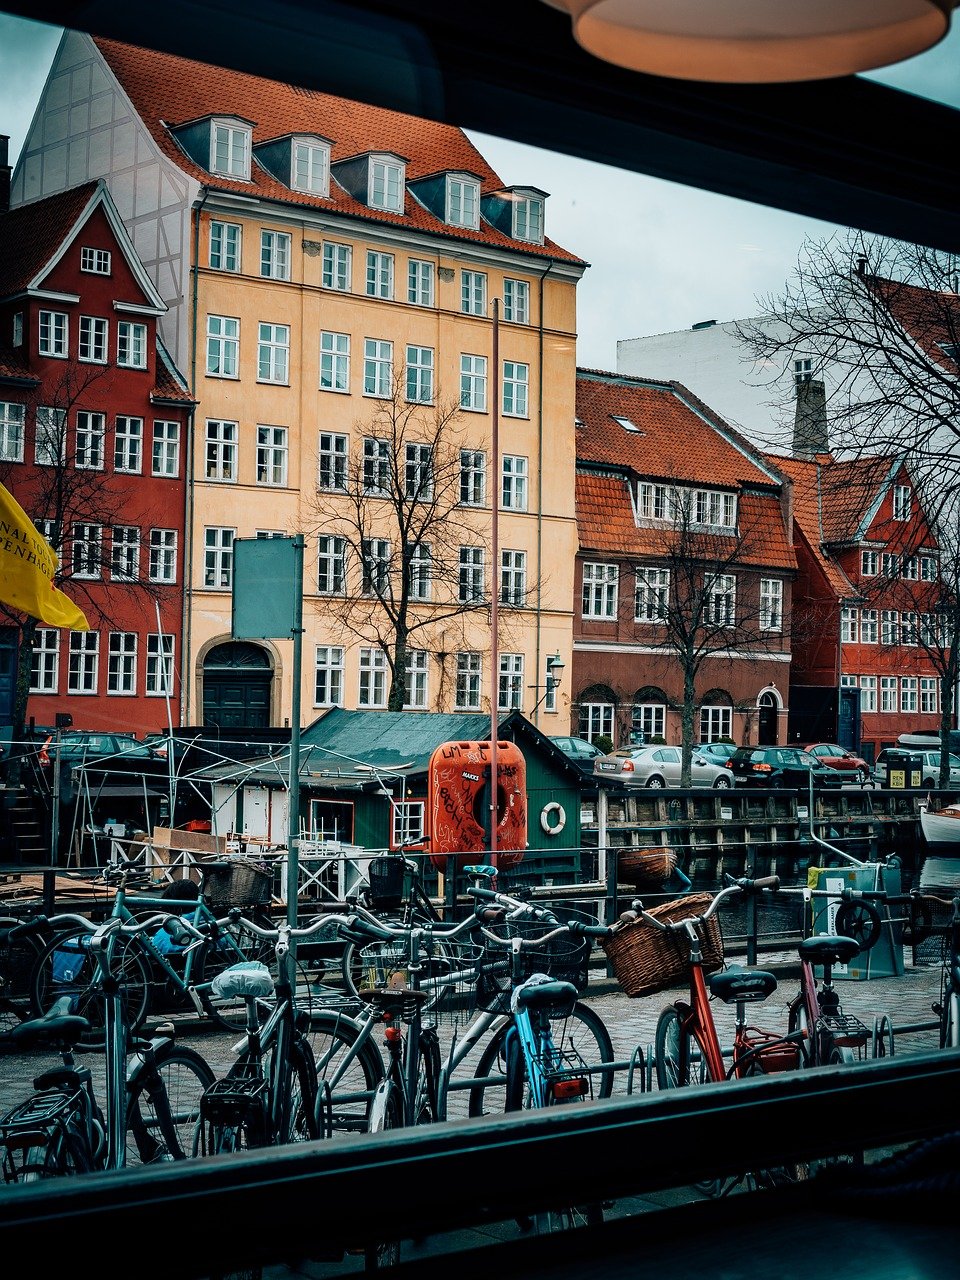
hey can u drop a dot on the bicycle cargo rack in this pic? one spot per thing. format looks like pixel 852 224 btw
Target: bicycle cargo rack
pixel 232 1100
pixel 845 1029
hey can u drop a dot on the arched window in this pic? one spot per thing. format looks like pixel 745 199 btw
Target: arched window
pixel 597 706
pixel 716 716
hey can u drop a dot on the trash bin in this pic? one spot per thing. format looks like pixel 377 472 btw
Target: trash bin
pixel 904 770
pixel 885 958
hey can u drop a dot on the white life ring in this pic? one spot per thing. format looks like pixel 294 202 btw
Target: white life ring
pixel 554 808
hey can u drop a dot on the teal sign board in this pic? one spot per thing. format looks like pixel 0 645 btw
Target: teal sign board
pixel 267 575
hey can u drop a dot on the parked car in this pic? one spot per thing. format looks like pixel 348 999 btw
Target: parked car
pixel 929 767
pixel 579 751
pixel 659 767
pixel 837 757
pixel 718 752
pixel 110 750
pixel 786 767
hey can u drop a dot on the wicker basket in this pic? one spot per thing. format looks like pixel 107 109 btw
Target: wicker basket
pixel 236 883
pixel 646 960
pixel 646 867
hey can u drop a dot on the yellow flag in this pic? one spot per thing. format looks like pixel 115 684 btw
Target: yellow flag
pixel 27 566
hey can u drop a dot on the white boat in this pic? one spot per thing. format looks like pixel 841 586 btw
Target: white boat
pixel 941 826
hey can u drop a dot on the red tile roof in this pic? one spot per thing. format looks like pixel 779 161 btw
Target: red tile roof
pixel 171 385
pixel 931 317
pixel 168 91
pixel 830 500
pixel 13 364
pixel 31 234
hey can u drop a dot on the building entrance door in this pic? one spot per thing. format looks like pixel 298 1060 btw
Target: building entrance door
pixel 236 687
pixel 767 720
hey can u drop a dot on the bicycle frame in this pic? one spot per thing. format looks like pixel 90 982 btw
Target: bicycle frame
pixel 696 1016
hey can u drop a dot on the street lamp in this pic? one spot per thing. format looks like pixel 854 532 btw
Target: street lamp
pixel 555 665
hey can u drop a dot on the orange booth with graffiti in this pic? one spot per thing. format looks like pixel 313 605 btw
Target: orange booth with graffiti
pixel 457 800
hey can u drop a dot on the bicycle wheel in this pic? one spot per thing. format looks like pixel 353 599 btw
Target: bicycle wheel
pixel 63 1155
pixel 797 1021
pixel 583 1035
pixel 66 967
pixel 17 961
pixel 348 1067
pixel 163 1115
pixel 950 1021
pixel 300 1122
pixel 384 1116
pixel 679 1061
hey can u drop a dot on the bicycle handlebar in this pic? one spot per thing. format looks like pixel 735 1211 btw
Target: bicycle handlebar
pixel 741 885
pixel 362 924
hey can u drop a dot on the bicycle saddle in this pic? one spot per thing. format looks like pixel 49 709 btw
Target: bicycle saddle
pixel 249 978
pixel 828 948
pixel 59 1025
pixel 741 984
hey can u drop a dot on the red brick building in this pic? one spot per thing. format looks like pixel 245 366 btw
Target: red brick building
pixel 94 440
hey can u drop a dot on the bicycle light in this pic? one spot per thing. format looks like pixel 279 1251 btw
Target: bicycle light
pixel 570 1087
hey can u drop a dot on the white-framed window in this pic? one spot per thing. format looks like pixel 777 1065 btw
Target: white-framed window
pixel 163 555
pixel 648 720
pixel 420 282
pixel 910 568
pixel 407 822
pixel 92 347
pixel 125 553
pixel 377 465
pixel 48 531
pixel 418 472
pixel 715 723
pixel 91 429
pixel 417 671
pixel 230 149
pixel 888 693
pixel 473 477
pixel 420 375
pixel 331 565
pixel 375 558
pixel 218 557
pixel 550 682
pixel 373 679
pixel 528 219
pixel 771 604
pixel 655 501
pixel 17 337
pixel 869 627
pixel 273 353
pixel 221 450
pixel 473 293
pixel 131 344
pixel 377 368
pixel 310 167
pixel 600 585
pixel 928 568
pixel 848 624
pixel 223 347
pixel 889 626
pixel 472 586
pixel 908 627
pixel 45 661
pixel 462 202
pixel 714 509
pixel 95 261
pixel 513 577
pixel 83 664
pixel 421 572
pixel 929 629
pixel 929 695
pixel 336 266
pixel 159 672
pixel 868 693
pixel 513 493
pixel 473 383
pixel 52 334
pixel 469 681
pixel 332 461
pixel 272 451
pixel 652 595
pixel 328 676
pixel 595 720
pixel 721 599
pixel 848 682
pixel 264 535
pixel 516 388
pixel 890 564
pixel 122 662
pixel 802 370
pixel 51 443
pixel 516 301
pixel 510 682
pixel 334 361
pixel 128 445
pixel 385 184
pixel 166 449
pixel 225 246
pixel 902 502
pixel 908 693
pixel 869 563
pixel 86 557
pixel 379 274
pixel 12 422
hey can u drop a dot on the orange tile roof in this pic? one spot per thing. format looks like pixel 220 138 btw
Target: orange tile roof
pixel 835 506
pixel 13 363
pixel 31 234
pixel 931 317
pixel 168 91
pixel 171 385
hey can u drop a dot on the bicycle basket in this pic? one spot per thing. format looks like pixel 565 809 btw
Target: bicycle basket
pixel 646 960
pixel 646 868
pixel 565 958
pixel 236 883
pixel 446 989
pixel 391 882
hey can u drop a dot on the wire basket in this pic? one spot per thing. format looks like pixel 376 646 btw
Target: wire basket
pixel 236 883
pixel 391 882
pixel 646 959
pixel 646 868
pixel 565 958
pixel 444 987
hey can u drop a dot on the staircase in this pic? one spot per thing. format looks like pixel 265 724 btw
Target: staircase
pixel 23 829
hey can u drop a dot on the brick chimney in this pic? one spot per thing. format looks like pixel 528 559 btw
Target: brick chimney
pixel 810 434
pixel 4 173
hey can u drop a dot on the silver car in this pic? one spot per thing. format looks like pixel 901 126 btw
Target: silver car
pixel 659 767
pixel 930 767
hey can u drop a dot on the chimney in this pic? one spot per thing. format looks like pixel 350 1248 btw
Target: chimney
pixel 810 423
pixel 4 173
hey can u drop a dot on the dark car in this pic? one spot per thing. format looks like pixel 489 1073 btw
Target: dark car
pixel 785 767
pixel 78 746
pixel 579 752
pixel 837 757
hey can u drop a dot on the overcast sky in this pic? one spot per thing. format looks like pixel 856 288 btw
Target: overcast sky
pixel 662 256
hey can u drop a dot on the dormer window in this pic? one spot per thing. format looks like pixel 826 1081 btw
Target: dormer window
pixel 528 217
pixel 230 149
pixel 310 167
pixel 385 184
pixel 462 201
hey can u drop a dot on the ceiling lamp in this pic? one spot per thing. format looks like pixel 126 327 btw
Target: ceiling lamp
pixel 756 41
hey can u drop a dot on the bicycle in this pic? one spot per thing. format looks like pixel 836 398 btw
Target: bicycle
pixel 20 946
pixel 152 1087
